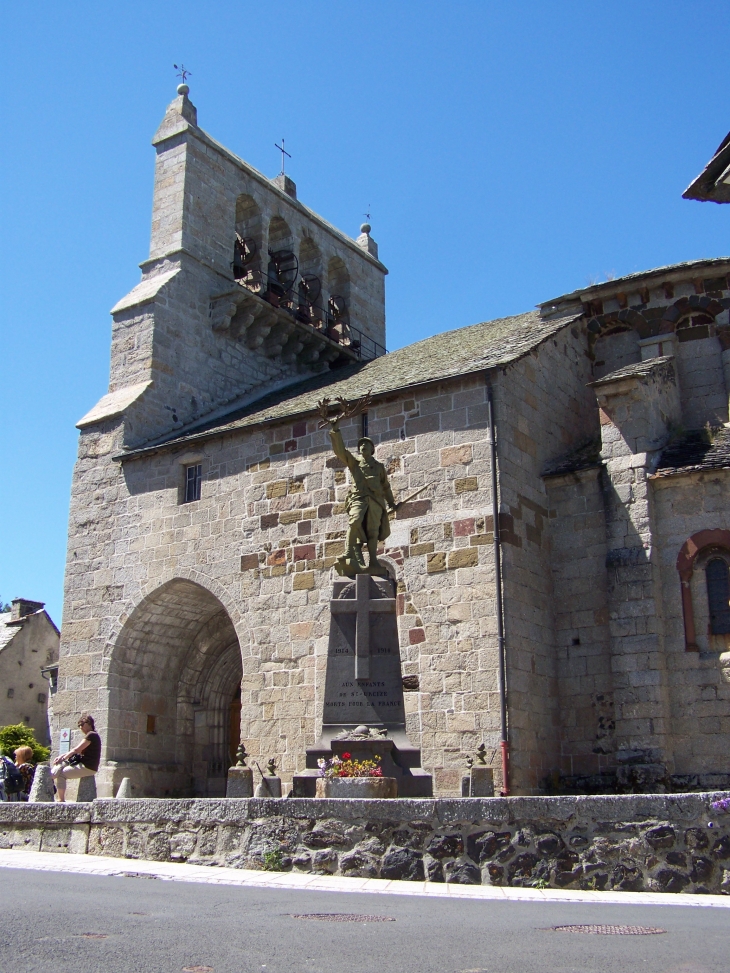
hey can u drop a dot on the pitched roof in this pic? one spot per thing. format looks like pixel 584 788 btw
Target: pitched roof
pixel 9 628
pixel 712 265
pixel 480 347
pixel 637 370
pixel 694 452
pixel 713 183
pixel 584 457
pixel 7 632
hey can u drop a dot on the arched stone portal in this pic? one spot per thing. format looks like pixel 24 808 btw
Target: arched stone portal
pixel 174 673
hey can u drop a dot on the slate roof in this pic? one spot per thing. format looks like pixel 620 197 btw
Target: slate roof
pixel 480 347
pixel 710 184
pixel 694 452
pixel 634 370
pixel 617 284
pixel 584 457
pixel 7 632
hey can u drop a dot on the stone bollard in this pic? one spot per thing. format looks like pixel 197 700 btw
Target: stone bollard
pixel 269 787
pixel 41 790
pixel 240 782
pixel 482 782
pixel 240 777
pixel 87 790
pixel 125 789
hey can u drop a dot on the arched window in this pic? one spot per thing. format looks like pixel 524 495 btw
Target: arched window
pixel 705 543
pixel 718 595
pixel 283 267
pixel 310 283
pixel 694 326
pixel 338 305
pixel 247 245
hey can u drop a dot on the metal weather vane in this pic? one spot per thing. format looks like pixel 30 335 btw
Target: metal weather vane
pixel 182 72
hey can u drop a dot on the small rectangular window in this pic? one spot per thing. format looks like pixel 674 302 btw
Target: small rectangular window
pixel 193 478
pixel 41 697
pixel 11 693
pixel 151 724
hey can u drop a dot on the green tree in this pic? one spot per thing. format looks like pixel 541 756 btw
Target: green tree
pixel 4 607
pixel 18 735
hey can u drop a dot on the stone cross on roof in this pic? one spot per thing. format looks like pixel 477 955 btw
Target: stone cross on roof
pixel 361 606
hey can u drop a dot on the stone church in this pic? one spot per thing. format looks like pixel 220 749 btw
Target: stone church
pixel 562 577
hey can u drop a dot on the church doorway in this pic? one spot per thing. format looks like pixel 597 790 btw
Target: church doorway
pixel 234 724
pixel 174 694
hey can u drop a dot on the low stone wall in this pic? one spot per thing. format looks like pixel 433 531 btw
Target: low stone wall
pixel 664 843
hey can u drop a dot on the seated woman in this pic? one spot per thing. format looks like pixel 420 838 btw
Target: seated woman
pixel 23 757
pixel 88 753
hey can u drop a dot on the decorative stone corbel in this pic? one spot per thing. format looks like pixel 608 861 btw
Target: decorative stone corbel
pixel 225 307
pixel 259 330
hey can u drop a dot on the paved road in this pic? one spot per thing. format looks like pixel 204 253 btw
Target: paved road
pixel 154 926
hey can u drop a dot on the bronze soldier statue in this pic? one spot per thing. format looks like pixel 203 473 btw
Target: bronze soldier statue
pixel 368 499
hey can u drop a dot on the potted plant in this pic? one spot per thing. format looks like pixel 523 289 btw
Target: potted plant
pixel 342 776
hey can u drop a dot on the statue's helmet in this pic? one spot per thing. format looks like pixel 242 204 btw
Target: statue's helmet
pixel 365 439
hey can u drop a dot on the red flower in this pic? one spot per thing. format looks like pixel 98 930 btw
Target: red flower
pixel 346 756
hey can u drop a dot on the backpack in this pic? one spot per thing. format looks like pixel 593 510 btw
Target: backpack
pixel 11 776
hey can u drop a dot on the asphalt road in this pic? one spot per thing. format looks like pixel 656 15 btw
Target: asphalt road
pixel 51 921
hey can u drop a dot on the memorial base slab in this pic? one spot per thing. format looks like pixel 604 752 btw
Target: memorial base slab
pixel 376 788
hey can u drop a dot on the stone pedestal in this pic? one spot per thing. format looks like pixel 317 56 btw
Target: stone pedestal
pixel 364 712
pixel 479 782
pixel 87 789
pixel 269 787
pixel 240 782
pixel 375 788
pixel 41 790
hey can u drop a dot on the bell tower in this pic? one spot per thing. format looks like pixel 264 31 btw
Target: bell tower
pixel 245 290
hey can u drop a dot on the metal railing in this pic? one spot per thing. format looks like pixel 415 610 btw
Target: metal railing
pixel 335 326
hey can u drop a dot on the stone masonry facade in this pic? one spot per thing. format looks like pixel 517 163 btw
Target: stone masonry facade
pixel 193 621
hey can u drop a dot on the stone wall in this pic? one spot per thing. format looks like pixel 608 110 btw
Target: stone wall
pixel 577 529
pixel 537 419
pixel 638 843
pixel 699 681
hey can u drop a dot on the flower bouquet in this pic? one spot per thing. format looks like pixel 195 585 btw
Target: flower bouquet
pixel 342 776
pixel 345 766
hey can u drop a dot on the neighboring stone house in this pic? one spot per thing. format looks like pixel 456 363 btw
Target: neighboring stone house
pixel 207 507
pixel 29 644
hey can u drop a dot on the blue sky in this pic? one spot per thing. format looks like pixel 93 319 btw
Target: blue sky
pixel 508 153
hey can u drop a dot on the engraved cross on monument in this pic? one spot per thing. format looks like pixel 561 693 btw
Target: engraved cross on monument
pixel 364 683
pixel 362 605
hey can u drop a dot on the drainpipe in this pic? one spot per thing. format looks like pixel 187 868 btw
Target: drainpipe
pixel 502 666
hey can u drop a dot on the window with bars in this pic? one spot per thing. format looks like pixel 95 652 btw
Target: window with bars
pixel 718 595
pixel 193 479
